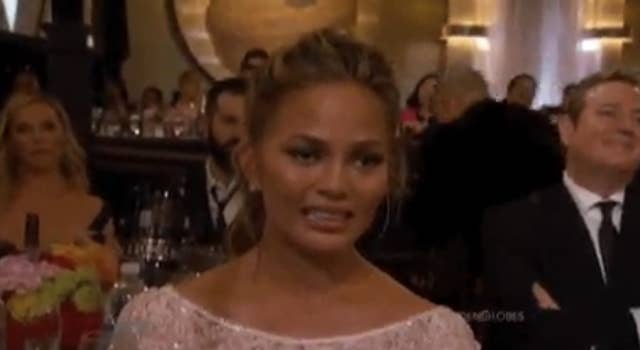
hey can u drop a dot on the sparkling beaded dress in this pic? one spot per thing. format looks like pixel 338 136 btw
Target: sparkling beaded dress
pixel 162 319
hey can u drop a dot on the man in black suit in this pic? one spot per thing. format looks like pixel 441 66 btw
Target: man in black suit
pixel 567 258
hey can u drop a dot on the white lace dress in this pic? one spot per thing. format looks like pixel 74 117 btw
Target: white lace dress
pixel 162 319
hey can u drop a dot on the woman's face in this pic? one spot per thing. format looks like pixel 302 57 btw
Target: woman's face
pixel 426 91
pixel 323 166
pixel 36 138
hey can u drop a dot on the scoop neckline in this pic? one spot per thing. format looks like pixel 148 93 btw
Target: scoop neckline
pixel 234 325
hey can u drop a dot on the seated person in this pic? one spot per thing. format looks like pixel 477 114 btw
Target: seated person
pixel 226 119
pixel 419 112
pixel 565 258
pixel 115 120
pixel 151 111
pixel 185 117
pixel 43 171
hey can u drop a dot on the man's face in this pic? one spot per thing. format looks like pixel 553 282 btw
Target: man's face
pixel 227 121
pixel 606 135
pixel 523 92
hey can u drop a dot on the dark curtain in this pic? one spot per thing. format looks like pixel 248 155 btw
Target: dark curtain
pixel 111 35
pixel 18 54
pixel 111 40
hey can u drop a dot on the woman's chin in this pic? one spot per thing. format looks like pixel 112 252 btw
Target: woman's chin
pixel 320 243
pixel 42 164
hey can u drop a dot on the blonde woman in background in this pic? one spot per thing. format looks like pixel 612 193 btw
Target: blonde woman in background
pixel 43 171
pixel 322 157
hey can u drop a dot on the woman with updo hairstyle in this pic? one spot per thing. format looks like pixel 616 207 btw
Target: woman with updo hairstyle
pixel 43 171
pixel 322 157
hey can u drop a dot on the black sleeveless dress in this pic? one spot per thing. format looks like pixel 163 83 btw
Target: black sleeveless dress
pixel 96 230
pixel 99 223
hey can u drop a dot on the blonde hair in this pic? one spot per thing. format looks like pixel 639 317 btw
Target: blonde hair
pixel 72 164
pixel 321 57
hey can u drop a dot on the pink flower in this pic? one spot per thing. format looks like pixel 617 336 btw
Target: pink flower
pixel 19 274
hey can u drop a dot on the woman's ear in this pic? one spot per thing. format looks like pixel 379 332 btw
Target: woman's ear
pixel 245 158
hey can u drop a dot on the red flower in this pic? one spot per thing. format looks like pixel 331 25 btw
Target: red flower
pixel 60 261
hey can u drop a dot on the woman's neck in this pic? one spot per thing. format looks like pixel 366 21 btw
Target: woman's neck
pixel 279 265
pixel 41 184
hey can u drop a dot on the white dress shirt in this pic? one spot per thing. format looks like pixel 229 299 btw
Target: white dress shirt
pixel 587 203
pixel 228 194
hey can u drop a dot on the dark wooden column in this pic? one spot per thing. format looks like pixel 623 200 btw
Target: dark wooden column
pixel 70 63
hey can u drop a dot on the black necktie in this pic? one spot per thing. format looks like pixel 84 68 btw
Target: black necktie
pixel 220 224
pixel 607 235
pixel 622 335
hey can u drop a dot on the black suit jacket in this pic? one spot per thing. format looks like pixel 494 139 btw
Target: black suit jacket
pixel 544 239
pixel 210 232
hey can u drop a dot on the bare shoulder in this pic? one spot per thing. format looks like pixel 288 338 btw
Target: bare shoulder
pixel 85 203
pixel 210 290
pixel 196 286
pixel 11 226
pixel 94 203
pixel 154 315
pixel 401 298
pixel 445 328
pixel 92 207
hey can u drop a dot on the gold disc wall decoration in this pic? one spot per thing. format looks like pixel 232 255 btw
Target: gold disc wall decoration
pixel 218 32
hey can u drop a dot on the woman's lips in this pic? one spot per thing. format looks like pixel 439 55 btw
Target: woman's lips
pixel 327 219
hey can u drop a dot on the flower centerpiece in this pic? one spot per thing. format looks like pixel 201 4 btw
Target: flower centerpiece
pixel 58 297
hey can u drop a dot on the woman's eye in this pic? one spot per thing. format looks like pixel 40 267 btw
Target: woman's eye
pixel 607 113
pixel 49 126
pixel 22 128
pixel 369 160
pixel 304 156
